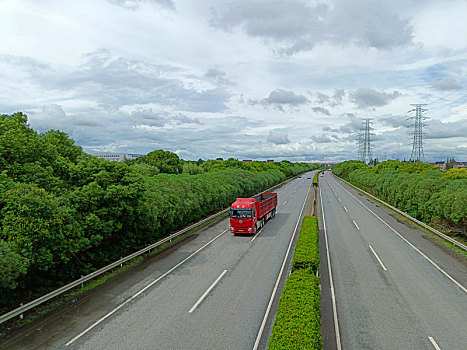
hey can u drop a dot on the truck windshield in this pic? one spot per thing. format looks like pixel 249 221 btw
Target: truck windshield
pixel 240 213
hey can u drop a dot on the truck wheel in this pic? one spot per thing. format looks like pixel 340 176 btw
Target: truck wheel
pixel 274 213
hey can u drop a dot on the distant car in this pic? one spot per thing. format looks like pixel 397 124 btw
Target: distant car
pixel 308 177
pixel 321 175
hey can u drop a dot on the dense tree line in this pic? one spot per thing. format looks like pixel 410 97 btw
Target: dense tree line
pixel 423 191
pixel 64 213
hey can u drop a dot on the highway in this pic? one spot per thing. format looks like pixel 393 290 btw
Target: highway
pixel 218 291
pixel 392 286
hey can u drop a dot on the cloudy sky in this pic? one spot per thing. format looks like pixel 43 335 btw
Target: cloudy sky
pixel 249 79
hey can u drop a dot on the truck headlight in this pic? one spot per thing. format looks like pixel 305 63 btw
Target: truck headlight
pixel 250 229
pixel 231 228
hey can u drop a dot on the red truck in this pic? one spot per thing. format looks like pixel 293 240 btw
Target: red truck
pixel 248 215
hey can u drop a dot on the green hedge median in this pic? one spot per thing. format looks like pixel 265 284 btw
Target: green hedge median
pixel 315 179
pixel 307 249
pixel 298 322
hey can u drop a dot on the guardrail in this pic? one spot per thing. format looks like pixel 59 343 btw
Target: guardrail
pixel 435 231
pixel 53 294
pixel 20 310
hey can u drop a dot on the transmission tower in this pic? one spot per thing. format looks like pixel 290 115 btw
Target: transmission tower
pixel 360 145
pixel 417 147
pixel 364 142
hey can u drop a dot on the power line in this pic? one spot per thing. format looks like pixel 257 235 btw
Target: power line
pixel 444 107
pixel 454 92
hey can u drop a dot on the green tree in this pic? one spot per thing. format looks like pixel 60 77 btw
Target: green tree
pixel 63 145
pixel 12 265
pixel 166 161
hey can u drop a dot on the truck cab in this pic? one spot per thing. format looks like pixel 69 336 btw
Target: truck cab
pixel 243 217
pixel 248 215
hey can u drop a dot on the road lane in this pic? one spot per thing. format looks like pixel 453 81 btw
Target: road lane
pixel 400 307
pixel 158 317
pixel 230 316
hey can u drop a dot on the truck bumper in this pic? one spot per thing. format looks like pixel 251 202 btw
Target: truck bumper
pixel 243 231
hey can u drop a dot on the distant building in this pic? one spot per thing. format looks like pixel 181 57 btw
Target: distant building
pixel 458 165
pixel 247 160
pixel 441 165
pixel 270 161
pixel 116 157
pixel 445 165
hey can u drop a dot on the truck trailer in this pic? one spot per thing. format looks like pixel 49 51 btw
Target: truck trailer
pixel 248 215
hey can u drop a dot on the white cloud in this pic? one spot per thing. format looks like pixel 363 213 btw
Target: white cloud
pixel 447 84
pixel 321 110
pixel 243 79
pixel 277 137
pixel 298 26
pixel 282 97
pixel 439 27
pixel 135 4
pixel 366 97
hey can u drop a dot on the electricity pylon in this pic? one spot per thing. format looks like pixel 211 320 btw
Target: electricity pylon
pixel 417 146
pixel 364 141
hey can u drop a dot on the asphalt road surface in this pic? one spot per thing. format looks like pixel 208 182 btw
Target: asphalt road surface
pixel 214 292
pixel 394 286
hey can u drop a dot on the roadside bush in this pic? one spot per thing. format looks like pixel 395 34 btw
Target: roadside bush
pixel 307 249
pixel 419 189
pixel 298 323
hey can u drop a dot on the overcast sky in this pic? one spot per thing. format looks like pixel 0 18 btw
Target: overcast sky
pixel 247 79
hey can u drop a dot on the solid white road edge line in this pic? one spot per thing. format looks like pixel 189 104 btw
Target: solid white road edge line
pixel 263 324
pixel 434 343
pixel 141 291
pixel 259 231
pixel 346 209
pixel 256 234
pixel 410 244
pixel 358 228
pixel 333 296
pixel 207 291
pixel 377 257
